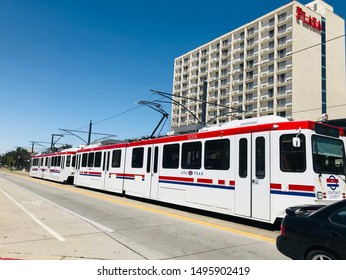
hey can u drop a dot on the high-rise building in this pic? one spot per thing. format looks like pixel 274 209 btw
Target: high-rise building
pixel 289 62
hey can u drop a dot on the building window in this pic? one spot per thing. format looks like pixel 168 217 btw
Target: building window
pixel 281 103
pixel 271 68
pixel 282 114
pixel 271 33
pixel 282 17
pixel 271 45
pixel 282 28
pixel 270 105
pixel 282 53
pixel 249 75
pixel 271 22
pixel 250 64
pixel 250 42
pixel 282 41
pixel 281 78
pixel 250 52
pixel 282 90
pixel 271 57
pixel 249 86
pixel 270 92
pixel 282 65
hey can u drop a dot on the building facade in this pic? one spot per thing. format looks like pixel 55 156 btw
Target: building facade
pixel 289 62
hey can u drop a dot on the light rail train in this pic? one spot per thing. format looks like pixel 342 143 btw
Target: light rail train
pixel 59 166
pixel 253 168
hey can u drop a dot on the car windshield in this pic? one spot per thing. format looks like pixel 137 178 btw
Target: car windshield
pixel 328 155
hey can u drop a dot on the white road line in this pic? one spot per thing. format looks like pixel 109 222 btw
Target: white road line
pixel 95 224
pixel 47 228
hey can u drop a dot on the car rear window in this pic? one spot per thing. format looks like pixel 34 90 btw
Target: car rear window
pixel 339 217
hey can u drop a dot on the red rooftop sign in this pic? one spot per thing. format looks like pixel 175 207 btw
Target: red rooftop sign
pixel 309 20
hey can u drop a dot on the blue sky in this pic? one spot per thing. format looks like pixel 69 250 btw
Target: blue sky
pixel 64 63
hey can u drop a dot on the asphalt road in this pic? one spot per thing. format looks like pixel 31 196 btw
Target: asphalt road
pixel 42 220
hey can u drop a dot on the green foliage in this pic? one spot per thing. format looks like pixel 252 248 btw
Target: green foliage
pixel 18 159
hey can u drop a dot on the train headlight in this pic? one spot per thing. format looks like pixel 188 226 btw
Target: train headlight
pixel 319 195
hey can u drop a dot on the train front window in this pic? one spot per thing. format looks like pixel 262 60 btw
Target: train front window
pixel 292 159
pixel 328 155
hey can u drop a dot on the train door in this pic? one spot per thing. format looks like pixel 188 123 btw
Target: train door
pixel 105 169
pixel 77 170
pixel 152 177
pixel 260 191
pixel 252 185
pixel 242 192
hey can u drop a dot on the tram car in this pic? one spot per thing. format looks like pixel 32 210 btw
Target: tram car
pixel 253 168
pixel 59 166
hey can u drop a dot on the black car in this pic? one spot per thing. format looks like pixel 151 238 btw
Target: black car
pixel 314 232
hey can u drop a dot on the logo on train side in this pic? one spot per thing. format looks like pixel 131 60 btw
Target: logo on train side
pixel 192 173
pixel 332 182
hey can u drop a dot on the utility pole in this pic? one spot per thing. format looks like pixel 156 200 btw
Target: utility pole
pixel 52 143
pixel 90 127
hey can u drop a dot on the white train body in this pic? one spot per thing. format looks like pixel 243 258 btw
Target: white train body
pixel 253 168
pixel 59 166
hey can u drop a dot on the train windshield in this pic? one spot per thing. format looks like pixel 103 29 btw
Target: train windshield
pixel 328 155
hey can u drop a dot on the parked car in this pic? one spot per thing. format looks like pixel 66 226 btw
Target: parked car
pixel 314 232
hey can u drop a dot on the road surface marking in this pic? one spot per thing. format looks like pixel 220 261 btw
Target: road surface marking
pixel 95 224
pixel 47 228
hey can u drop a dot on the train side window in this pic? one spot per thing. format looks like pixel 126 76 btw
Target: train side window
pixel 91 159
pixel 73 161
pixel 58 162
pixel 137 158
pixel 292 159
pixel 149 160
pixel 68 161
pixel 170 158
pixel 84 159
pixel 243 158
pixel 156 159
pixel 217 154
pixel 260 158
pixel 191 155
pixel 98 157
pixel 116 158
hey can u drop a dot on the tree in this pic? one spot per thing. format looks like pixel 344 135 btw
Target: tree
pixel 18 159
